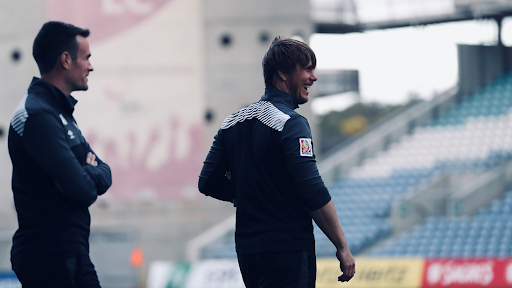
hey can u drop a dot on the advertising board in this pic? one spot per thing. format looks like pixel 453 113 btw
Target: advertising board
pixel 370 272
pixel 486 272
pixel 213 273
pixel 376 272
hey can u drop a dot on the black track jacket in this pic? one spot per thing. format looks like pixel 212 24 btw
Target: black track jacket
pixel 53 185
pixel 267 148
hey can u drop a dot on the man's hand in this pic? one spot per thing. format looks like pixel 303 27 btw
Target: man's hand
pixel 91 159
pixel 347 264
pixel 327 220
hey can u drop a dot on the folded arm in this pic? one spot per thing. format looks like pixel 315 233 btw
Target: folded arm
pixel 47 146
pixel 99 171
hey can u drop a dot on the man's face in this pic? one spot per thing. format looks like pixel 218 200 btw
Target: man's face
pixel 80 67
pixel 299 82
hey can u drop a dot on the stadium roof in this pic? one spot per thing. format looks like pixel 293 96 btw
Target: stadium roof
pixel 346 16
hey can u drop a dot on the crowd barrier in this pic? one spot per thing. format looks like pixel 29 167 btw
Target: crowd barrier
pixel 370 272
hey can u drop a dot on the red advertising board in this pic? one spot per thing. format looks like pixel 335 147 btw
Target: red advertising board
pixel 481 272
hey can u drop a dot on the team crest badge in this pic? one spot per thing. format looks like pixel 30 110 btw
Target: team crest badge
pixel 306 148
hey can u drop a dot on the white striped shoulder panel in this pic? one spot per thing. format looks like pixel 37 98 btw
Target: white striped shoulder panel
pixel 20 116
pixel 264 111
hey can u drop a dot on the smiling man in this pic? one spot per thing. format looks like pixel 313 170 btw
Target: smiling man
pixel 56 176
pixel 262 160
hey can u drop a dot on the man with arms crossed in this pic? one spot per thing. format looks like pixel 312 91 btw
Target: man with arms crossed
pixel 56 175
pixel 262 160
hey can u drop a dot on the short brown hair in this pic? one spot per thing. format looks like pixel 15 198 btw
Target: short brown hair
pixel 283 55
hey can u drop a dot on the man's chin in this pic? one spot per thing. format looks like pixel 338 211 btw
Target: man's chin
pixel 82 88
pixel 302 100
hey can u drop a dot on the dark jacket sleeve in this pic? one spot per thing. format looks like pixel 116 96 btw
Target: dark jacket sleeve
pixel 46 144
pixel 307 180
pixel 100 175
pixel 212 180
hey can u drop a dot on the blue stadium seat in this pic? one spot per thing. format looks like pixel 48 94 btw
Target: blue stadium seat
pixel 484 235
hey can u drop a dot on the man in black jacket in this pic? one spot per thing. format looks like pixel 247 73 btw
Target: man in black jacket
pixel 262 159
pixel 56 175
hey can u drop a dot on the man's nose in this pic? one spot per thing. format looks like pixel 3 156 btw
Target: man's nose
pixel 313 76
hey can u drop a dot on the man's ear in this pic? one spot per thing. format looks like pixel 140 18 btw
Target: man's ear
pixel 281 75
pixel 65 60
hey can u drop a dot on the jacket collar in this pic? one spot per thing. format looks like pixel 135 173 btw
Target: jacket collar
pixel 275 95
pixel 53 95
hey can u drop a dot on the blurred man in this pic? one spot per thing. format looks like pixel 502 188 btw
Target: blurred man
pixel 262 160
pixel 56 175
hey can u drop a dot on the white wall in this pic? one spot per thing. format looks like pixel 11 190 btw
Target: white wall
pixel 234 76
pixel 19 23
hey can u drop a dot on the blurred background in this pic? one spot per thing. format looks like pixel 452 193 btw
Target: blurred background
pixel 410 116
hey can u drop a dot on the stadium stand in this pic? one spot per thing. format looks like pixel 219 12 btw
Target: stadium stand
pixel 474 136
pixel 487 234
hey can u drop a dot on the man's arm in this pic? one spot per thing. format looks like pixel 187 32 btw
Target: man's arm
pixel 327 219
pixel 302 166
pixel 311 189
pixel 46 144
pixel 212 180
pixel 99 171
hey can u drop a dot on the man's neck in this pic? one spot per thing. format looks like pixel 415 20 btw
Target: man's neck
pixel 57 81
pixel 281 85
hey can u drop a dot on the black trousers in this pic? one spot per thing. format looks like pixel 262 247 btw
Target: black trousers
pixel 295 269
pixel 75 272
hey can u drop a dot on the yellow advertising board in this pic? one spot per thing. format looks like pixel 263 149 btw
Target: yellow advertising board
pixel 372 272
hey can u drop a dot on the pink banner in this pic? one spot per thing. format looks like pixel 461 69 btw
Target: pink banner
pixel 104 18
pixel 479 272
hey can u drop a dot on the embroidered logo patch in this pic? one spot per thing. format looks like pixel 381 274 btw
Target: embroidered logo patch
pixel 306 148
